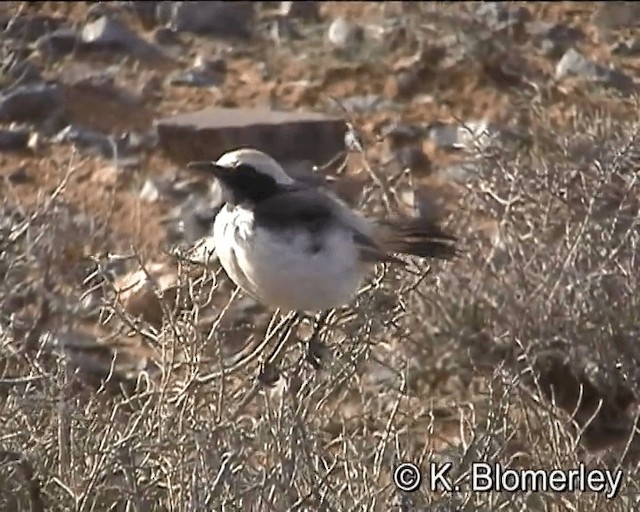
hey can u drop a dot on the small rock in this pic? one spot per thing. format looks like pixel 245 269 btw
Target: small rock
pixel 400 134
pixel 406 83
pixel 123 147
pixel 58 43
pixel 150 192
pixel 108 34
pixel 367 103
pixel 306 11
pixel 31 103
pixel 574 63
pixel 19 176
pixel 108 176
pixel 283 30
pixel 414 159
pixel 86 139
pixel 202 74
pixel 461 172
pixel 22 72
pixel 134 142
pixel 215 18
pixel 193 219
pixel 165 36
pixel 100 9
pixel 148 12
pixel 170 187
pixel 343 34
pixel 472 135
pixel 553 38
pixel 628 48
pixel 499 15
pixel 206 213
pixel 16 139
pixel 164 11
pixel 615 15
pixel 110 363
pixel 211 132
pixel 26 27
pixel 138 292
pixel 104 85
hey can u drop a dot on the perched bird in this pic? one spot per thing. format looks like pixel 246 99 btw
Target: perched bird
pixel 297 247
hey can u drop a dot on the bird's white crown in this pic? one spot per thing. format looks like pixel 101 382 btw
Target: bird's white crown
pixel 260 161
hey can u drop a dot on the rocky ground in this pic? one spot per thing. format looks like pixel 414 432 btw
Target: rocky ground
pixel 126 376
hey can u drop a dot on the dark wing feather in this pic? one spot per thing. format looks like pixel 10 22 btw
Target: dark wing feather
pixel 419 237
pixel 371 252
pixel 304 207
pixel 314 211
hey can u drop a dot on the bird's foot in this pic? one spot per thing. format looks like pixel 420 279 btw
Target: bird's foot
pixel 315 349
pixel 315 353
pixel 268 375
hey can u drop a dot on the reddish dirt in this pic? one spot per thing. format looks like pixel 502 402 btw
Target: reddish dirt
pixel 465 93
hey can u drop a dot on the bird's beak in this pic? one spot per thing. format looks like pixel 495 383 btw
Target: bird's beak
pixel 208 168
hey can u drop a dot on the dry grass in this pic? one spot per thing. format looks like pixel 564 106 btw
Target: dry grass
pixel 523 352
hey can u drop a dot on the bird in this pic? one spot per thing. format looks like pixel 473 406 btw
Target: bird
pixel 295 246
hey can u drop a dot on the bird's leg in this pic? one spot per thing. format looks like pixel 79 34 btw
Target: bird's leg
pixel 269 372
pixel 315 348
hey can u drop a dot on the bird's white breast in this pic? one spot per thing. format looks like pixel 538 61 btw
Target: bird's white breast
pixel 291 269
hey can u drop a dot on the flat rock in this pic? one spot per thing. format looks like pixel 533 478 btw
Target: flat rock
pixel 287 136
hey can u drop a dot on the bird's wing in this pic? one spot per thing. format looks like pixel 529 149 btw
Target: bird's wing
pixel 299 206
pixel 315 211
pixel 417 237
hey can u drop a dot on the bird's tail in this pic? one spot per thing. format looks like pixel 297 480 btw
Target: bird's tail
pixel 418 237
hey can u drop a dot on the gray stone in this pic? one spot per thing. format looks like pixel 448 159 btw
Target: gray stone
pixel 31 103
pixel 204 73
pixel 411 157
pixel 147 12
pixel 165 36
pixel 215 19
pixel 22 72
pixel 59 42
pixel 27 27
pixel 473 134
pixel 614 15
pixel 553 38
pixel 88 140
pixel 630 47
pixel 367 103
pixel 573 63
pixel 193 218
pixel 399 134
pixel 14 139
pixel 108 34
pixel 499 15
pixel 19 176
pixel 344 34
pixel 305 11
pixel 282 29
pixel 287 136
pixel 126 147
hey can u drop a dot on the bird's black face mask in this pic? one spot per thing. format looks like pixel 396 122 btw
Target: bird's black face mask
pixel 240 184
